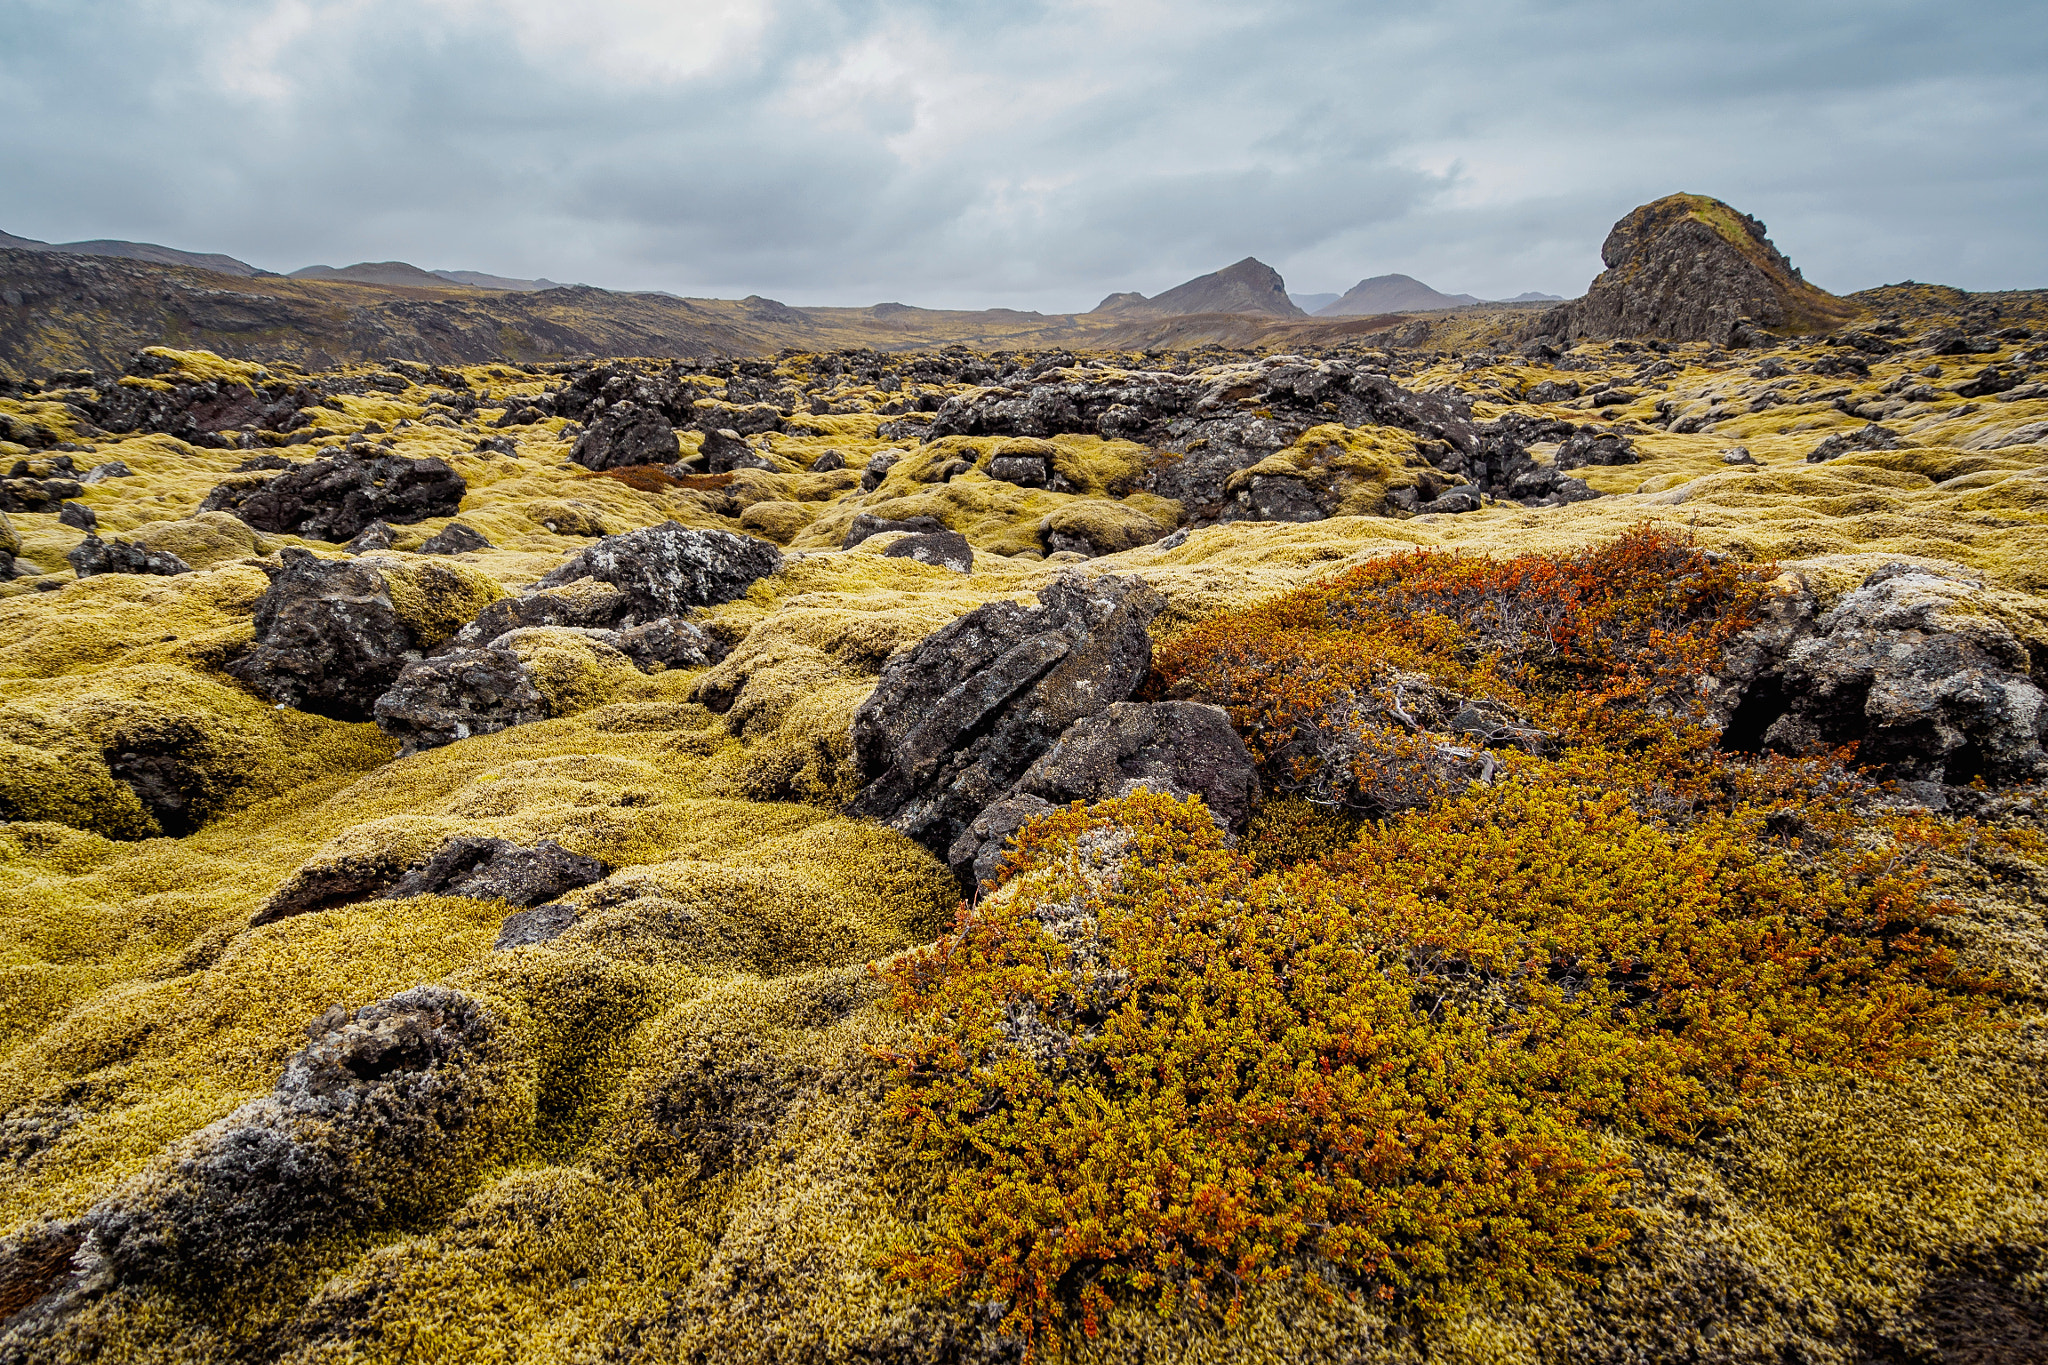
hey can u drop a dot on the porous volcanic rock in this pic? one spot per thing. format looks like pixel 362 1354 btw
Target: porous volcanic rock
pixel 328 638
pixel 1182 748
pixel 1872 437
pixel 1212 423
pixel 387 1113
pixel 93 556
pixel 956 721
pixel 868 524
pixel 946 549
pixel 485 869
pixel 335 497
pixel 668 569
pixel 438 701
pixel 626 433
pixel 454 539
pixel 1929 688
pixel 1690 268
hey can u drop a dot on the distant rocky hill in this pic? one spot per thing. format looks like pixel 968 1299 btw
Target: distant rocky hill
pixel 1690 268
pixel 1250 286
pixel 373 272
pixel 139 251
pixel 1392 294
pixel 1311 303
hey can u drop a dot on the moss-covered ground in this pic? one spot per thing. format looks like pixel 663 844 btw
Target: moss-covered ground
pixel 718 1163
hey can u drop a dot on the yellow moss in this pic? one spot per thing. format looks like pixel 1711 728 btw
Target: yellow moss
pixel 778 521
pixel 436 596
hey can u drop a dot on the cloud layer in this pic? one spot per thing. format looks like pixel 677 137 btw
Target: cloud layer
pixel 1029 154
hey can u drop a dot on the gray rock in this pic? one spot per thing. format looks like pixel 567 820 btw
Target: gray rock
pixel 93 556
pixel 542 924
pixel 868 524
pixel 1737 455
pixel 433 702
pixel 947 549
pixel 1872 437
pixel 668 643
pixel 828 462
pixel 1925 693
pixel 977 854
pixel 626 433
pixel 667 570
pixel 1274 497
pixel 1182 748
pixel 378 535
pixel 878 469
pixel 112 469
pixel 386 1115
pixel 482 869
pixel 1454 500
pixel 1596 448
pixel 77 516
pixel 335 497
pixel 499 870
pixel 454 539
pixel 327 638
pixel 957 720
pixel 726 451
pixel 1026 470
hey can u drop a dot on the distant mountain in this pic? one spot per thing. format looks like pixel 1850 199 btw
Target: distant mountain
pixel 139 251
pixel 374 272
pixel 1250 286
pixel 1531 297
pixel 477 279
pixel 1392 294
pixel 1309 303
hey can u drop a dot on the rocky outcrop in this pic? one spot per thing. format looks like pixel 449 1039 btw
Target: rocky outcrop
pixel 432 702
pixel 955 722
pixel 484 869
pixel 1690 268
pixel 669 569
pixel 454 539
pixel 336 497
pixel 387 1113
pixel 944 549
pixel 626 433
pixel 1910 668
pixel 328 638
pixel 1213 423
pixel 93 556
pixel 867 524
pixel 1182 748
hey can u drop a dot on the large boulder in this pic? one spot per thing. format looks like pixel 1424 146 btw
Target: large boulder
pixel 956 721
pixel 337 496
pixel 432 702
pixel 1690 268
pixel 333 635
pixel 626 433
pixel 388 1113
pixel 669 569
pixel 479 868
pixel 93 556
pixel 1910 668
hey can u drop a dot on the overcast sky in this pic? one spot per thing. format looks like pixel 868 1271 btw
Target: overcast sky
pixel 1021 154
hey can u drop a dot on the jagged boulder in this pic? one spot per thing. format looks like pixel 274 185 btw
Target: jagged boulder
pixel 956 721
pixel 93 556
pixel 669 569
pixel 1871 437
pixel 387 1113
pixel 945 549
pixel 332 635
pixel 454 539
pixel 1182 748
pixel 868 524
pixel 484 869
pixel 337 496
pixel 1690 268
pixel 1930 687
pixel 432 702
pixel 626 433
pixel 328 638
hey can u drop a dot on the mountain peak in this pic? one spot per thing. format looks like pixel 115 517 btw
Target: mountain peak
pixel 1249 286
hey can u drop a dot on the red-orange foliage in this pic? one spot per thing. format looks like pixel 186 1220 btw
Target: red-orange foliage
pixel 1147 1064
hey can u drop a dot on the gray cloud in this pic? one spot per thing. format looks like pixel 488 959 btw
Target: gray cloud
pixel 1028 155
